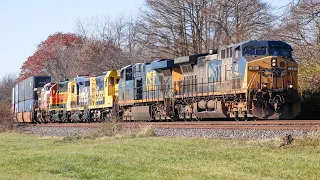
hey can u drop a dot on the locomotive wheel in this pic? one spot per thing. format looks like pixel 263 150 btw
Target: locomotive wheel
pixel 245 116
pixel 266 111
pixel 257 109
pixel 236 115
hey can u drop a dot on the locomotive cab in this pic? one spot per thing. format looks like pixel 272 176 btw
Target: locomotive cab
pixel 271 79
pixel 58 101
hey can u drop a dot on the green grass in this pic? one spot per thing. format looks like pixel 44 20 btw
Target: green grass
pixel 30 157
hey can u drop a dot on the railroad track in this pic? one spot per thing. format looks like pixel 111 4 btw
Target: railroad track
pixel 265 124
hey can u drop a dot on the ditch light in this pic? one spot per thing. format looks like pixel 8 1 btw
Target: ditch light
pixel 290 86
pixel 264 85
pixel 274 62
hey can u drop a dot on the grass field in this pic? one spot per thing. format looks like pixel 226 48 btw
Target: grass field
pixel 30 157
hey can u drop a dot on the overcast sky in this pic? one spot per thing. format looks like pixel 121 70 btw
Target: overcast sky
pixel 25 23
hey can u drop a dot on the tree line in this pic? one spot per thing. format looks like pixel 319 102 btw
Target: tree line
pixel 162 29
pixel 172 28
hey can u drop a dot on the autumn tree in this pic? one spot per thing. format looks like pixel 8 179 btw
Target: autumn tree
pixel 56 56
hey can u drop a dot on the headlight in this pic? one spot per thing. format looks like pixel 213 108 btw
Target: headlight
pixel 274 62
pixel 253 68
pixel 291 68
pixel 289 86
pixel 264 85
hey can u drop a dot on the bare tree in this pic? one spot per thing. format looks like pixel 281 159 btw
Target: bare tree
pixel 173 27
pixel 300 26
pixel 110 43
pixel 240 20
pixel 182 27
pixel 98 56
pixel 6 84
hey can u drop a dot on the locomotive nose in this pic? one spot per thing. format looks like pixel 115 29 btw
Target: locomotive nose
pixel 273 72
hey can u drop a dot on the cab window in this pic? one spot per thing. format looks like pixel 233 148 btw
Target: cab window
pixel 249 51
pixel 237 53
pixel 280 52
pixel 62 87
pixel 223 54
pixel 87 83
pixel 255 51
pixel 129 73
pixel 261 51
pixel 284 52
pixel 112 81
pixel 121 74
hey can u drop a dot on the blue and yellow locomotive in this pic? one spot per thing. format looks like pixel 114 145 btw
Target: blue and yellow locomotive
pixel 252 79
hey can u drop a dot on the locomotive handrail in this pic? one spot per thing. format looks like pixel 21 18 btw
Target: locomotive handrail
pixel 252 79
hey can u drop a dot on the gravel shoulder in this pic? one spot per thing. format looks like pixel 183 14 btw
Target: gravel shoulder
pixel 189 133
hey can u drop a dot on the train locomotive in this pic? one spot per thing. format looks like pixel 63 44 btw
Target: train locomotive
pixel 255 79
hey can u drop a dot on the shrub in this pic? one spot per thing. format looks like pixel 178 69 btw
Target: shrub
pixel 147 131
pixel 310 105
pixel 114 128
pixel 111 127
pixel 6 117
pixel 310 139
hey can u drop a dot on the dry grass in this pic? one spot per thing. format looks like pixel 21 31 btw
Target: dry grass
pixel 140 132
pixel 111 127
pixel 147 131
pixel 310 139
pixel 75 138
pixel 6 117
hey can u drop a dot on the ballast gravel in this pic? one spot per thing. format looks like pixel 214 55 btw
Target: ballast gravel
pixel 228 133
pixel 190 133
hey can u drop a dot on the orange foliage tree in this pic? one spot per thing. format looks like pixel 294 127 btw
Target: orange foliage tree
pixel 52 55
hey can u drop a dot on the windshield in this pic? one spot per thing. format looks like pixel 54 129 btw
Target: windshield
pixel 261 51
pixel 280 52
pixel 249 51
pixel 48 87
pixel 63 87
pixel 258 51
